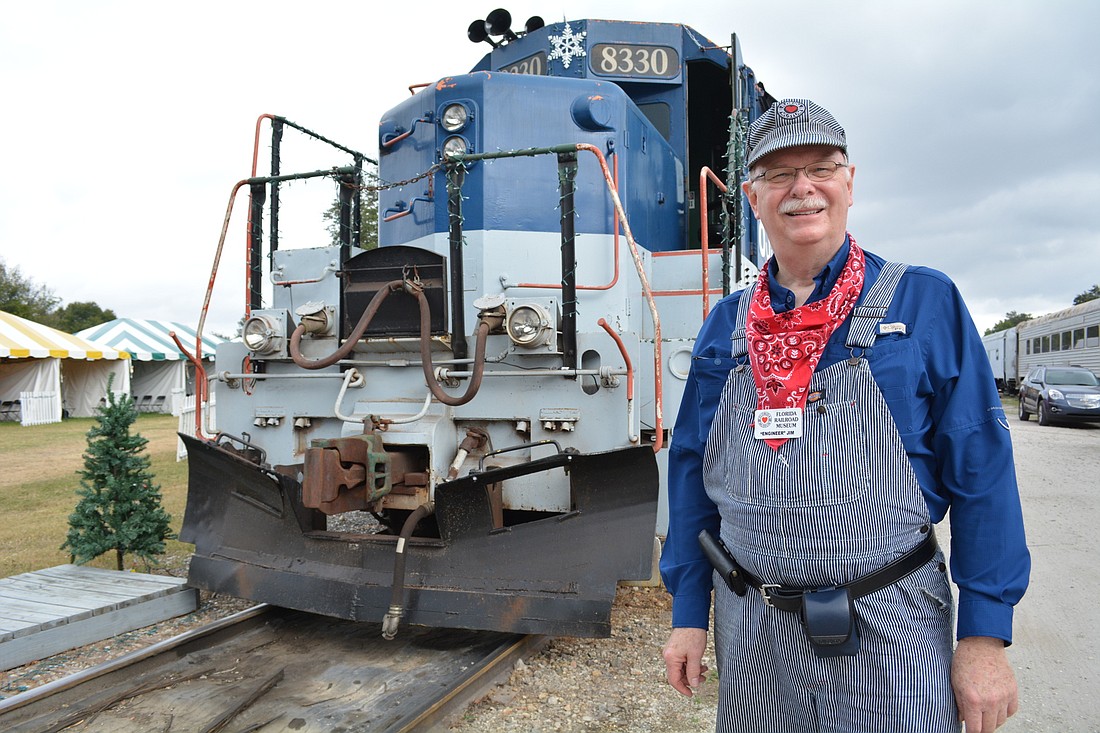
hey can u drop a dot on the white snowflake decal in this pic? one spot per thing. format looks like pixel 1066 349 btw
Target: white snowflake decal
pixel 568 46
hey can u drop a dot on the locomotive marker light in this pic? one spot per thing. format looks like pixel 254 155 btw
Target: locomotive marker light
pixel 264 333
pixel 529 325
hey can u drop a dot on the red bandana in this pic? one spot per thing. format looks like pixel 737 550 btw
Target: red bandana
pixel 786 347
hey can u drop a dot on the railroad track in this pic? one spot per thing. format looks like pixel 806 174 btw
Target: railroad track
pixel 271 669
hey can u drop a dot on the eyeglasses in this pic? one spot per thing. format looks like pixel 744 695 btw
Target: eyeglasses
pixel 822 171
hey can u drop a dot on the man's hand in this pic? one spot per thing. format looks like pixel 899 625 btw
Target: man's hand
pixel 684 659
pixel 985 686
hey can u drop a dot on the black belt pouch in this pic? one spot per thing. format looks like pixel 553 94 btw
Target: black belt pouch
pixel 829 620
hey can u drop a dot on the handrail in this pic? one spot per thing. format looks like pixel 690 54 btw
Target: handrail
pixel 248 222
pixel 196 359
pixel 200 381
pixel 276 119
pixel 658 418
pixel 395 212
pixel 704 234
pixel 401 136
pixel 615 256
pixel 639 266
pixel 200 371
pixel 629 378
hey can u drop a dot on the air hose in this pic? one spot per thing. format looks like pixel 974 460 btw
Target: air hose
pixel 417 291
pixel 397 596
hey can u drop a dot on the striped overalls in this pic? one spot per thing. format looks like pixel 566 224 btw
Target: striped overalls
pixel 826 508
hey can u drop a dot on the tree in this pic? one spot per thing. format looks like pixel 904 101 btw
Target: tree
pixel 1011 319
pixel 119 507
pixel 1091 294
pixel 368 213
pixel 78 316
pixel 22 297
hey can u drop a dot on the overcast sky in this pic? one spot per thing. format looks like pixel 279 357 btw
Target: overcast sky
pixel 972 125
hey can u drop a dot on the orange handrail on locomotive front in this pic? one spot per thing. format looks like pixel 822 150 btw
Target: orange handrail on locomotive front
pixel 704 234
pixel 615 255
pixel 200 371
pixel 647 292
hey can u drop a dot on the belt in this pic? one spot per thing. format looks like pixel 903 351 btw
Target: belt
pixel 790 599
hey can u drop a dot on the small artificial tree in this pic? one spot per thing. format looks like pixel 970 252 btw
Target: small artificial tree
pixel 119 507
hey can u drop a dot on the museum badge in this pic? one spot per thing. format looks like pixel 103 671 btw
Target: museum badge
pixel 784 422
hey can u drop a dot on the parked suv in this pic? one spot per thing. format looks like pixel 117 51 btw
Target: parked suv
pixel 1060 394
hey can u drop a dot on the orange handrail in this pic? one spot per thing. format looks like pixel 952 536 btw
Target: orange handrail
pixel 626 356
pixel 704 235
pixel 615 255
pixel 196 359
pixel 201 385
pixel 631 435
pixel 658 418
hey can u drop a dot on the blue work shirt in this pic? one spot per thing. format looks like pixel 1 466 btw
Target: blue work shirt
pixel 938 385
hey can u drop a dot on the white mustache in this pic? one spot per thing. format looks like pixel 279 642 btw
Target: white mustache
pixel 790 206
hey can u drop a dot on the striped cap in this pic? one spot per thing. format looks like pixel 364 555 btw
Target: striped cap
pixel 791 123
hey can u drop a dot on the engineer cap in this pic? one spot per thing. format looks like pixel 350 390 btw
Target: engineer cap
pixel 791 123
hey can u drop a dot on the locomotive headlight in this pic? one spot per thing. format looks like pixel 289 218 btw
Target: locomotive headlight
pixel 263 334
pixel 528 325
pixel 452 145
pixel 454 117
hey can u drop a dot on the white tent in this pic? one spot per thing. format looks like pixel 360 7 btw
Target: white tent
pixel 45 373
pixel 161 373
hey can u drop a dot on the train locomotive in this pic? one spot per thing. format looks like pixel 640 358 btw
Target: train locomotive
pixel 465 426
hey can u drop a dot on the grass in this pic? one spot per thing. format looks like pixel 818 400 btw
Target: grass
pixel 38 482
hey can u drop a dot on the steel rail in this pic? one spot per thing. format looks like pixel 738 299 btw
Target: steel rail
pixel 173 674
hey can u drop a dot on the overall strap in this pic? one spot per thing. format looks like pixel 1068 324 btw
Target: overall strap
pixel 866 316
pixel 740 346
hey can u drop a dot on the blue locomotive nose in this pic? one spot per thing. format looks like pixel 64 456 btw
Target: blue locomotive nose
pixel 521 194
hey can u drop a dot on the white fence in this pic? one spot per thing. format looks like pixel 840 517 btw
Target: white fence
pixel 187 420
pixel 39 408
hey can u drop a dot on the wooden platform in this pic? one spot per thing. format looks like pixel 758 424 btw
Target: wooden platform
pixel 49 611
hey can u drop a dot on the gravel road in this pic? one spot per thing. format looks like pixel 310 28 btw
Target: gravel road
pixel 1057 629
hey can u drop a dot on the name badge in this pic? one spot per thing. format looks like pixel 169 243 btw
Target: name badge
pixel 784 422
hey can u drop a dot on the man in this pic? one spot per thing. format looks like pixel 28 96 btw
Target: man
pixel 833 414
